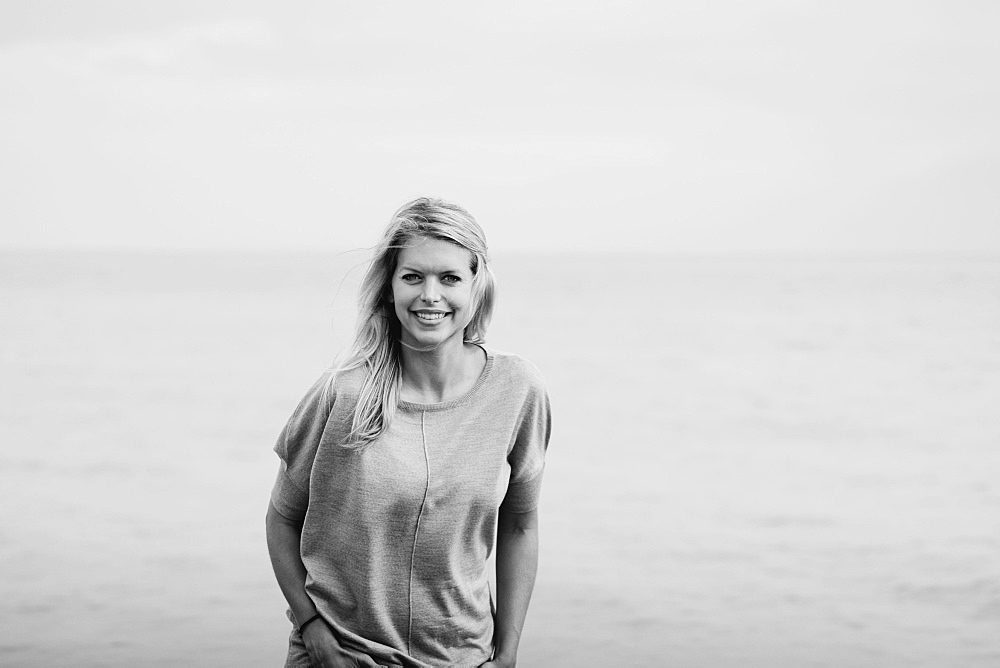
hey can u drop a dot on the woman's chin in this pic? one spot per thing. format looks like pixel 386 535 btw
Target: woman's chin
pixel 430 340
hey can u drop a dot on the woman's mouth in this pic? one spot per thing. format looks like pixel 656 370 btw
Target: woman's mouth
pixel 430 316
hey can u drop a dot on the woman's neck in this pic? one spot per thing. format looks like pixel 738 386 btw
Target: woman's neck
pixel 441 374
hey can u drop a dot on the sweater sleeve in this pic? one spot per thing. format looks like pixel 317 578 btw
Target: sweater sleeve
pixel 296 448
pixel 527 456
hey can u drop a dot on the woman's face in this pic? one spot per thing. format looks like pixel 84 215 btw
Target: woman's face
pixel 432 292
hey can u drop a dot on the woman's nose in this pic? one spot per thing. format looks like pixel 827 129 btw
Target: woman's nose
pixel 430 293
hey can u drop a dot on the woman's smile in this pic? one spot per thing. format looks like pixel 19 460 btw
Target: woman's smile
pixel 430 316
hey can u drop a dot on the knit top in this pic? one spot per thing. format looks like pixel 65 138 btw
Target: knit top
pixel 396 535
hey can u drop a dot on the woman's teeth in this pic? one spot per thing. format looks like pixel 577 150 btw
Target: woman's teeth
pixel 430 316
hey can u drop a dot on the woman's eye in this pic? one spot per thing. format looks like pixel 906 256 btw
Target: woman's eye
pixel 410 278
pixel 451 278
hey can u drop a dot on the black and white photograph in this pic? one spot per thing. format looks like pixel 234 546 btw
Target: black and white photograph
pixel 480 335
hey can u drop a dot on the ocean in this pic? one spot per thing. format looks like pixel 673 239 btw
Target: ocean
pixel 757 461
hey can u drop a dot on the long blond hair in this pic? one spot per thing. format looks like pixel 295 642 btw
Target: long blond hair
pixel 376 340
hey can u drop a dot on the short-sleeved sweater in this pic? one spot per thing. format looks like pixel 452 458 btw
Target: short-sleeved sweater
pixel 396 535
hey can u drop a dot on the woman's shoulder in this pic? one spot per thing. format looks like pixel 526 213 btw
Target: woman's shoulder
pixel 334 385
pixel 511 367
pixel 344 381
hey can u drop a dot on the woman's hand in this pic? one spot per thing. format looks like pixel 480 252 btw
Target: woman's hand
pixel 496 664
pixel 327 652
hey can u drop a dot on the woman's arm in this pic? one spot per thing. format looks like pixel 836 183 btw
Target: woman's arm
pixel 283 538
pixel 517 562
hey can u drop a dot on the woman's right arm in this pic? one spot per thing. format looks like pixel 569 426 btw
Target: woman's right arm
pixel 283 538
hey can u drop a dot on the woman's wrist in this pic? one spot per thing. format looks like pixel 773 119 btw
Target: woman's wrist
pixel 311 620
pixel 318 632
pixel 504 659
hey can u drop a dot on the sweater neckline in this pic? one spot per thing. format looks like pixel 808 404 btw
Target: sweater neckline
pixel 451 403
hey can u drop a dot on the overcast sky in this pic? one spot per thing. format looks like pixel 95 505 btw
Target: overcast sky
pixel 677 126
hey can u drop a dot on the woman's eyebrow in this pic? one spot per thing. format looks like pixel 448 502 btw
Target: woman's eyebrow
pixel 424 270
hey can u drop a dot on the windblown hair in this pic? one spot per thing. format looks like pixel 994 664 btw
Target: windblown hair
pixel 377 335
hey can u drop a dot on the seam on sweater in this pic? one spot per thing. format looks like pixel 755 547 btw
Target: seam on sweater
pixel 297 486
pixel 416 533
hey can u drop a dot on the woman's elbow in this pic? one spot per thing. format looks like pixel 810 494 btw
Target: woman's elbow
pixel 517 523
pixel 277 525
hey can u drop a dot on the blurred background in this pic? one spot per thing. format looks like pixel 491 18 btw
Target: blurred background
pixel 753 248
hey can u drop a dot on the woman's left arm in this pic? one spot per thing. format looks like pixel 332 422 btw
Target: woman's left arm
pixel 517 562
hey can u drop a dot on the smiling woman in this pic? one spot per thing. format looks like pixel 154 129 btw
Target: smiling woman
pixel 402 469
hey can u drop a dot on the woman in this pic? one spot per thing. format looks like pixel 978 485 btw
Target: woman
pixel 402 468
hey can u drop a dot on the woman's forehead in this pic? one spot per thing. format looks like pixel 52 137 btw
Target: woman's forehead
pixel 434 255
